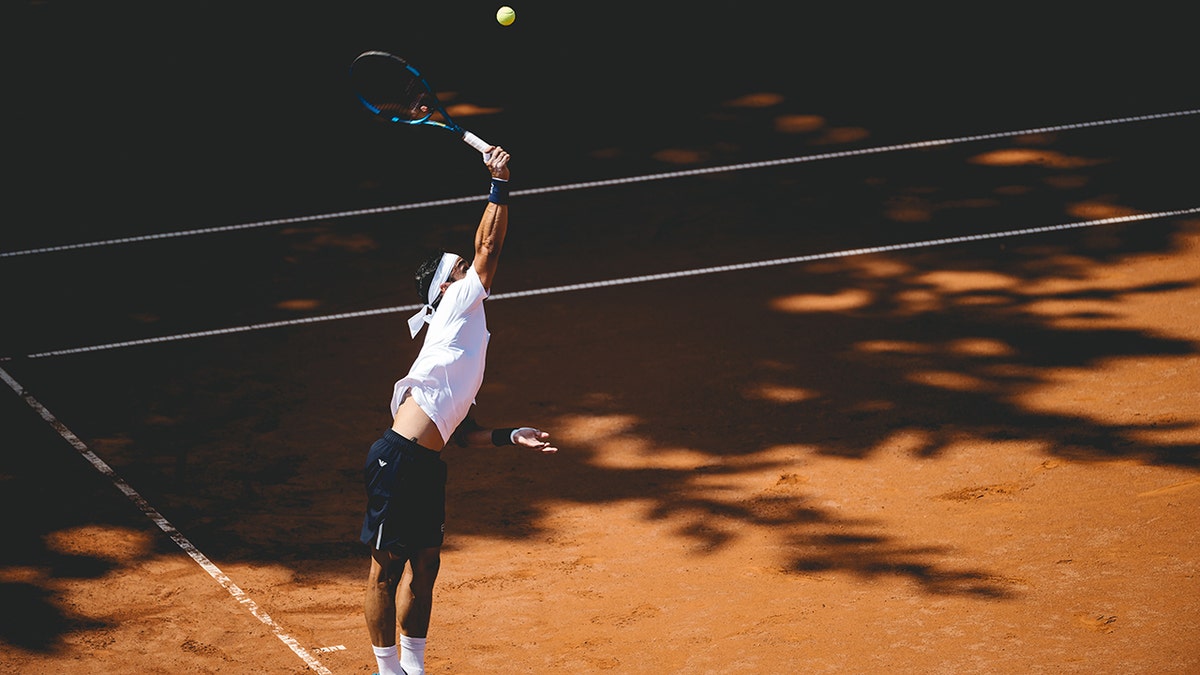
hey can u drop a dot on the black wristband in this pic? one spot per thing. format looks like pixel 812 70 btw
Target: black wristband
pixel 499 191
pixel 503 436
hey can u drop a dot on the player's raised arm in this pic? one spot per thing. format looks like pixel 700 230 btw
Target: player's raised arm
pixel 489 237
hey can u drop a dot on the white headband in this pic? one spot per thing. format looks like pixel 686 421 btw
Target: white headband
pixel 423 315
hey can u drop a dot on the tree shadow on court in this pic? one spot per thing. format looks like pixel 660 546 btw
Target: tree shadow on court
pixel 33 568
pixel 846 356
pixel 35 619
pixel 253 448
pixel 948 343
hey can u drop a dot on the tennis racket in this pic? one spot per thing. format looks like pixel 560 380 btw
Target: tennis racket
pixel 395 91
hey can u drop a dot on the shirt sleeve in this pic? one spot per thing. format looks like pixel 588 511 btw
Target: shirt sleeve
pixel 469 294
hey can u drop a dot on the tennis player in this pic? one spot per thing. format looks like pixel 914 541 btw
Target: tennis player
pixel 405 474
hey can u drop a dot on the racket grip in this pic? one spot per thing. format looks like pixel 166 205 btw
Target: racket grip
pixel 476 142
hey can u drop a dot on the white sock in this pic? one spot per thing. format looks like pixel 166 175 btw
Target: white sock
pixel 412 655
pixel 388 660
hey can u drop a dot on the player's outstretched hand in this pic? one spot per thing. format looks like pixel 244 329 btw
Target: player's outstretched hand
pixel 529 437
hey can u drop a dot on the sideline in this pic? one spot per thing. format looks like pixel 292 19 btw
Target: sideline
pixel 164 525
pixel 602 183
pixel 929 243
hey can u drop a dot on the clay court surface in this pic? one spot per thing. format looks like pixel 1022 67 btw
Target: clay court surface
pixel 969 456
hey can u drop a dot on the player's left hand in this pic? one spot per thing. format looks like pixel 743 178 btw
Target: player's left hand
pixel 528 437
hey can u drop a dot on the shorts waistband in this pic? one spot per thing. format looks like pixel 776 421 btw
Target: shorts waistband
pixel 410 446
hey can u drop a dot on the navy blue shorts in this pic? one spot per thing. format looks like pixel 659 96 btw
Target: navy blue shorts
pixel 406 495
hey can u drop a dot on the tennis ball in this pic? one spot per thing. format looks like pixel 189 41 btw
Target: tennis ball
pixel 505 15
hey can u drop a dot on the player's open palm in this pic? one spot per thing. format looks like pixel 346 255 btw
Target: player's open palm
pixel 537 439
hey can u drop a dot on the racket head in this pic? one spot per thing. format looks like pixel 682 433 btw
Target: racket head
pixel 393 90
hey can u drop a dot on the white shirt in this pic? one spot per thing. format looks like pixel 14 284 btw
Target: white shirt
pixel 448 371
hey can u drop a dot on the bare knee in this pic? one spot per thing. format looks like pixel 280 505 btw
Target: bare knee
pixel 386 570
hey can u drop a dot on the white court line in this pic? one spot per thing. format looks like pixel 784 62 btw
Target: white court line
pixel 162 523
pixel 603 183
pixel 631 280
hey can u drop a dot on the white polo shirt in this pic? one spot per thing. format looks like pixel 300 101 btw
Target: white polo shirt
pixel 448 371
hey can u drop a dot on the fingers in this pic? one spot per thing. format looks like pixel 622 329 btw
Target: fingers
pixel 542 443
pixel 498 158
pixel 497 162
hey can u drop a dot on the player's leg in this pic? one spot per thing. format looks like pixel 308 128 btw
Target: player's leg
pixel 383 580
pixel 415 603
pixel 415 598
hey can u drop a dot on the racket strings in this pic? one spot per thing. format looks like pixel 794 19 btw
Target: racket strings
pixel 390 89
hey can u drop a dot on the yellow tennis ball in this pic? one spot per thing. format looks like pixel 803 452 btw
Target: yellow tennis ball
pixel 505 15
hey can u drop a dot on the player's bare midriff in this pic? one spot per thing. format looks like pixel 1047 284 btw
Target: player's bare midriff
pixel 411 422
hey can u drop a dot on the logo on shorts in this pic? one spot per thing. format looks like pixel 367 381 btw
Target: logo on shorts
pixel 382 463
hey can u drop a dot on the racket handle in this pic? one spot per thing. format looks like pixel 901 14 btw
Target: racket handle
pixel 476 142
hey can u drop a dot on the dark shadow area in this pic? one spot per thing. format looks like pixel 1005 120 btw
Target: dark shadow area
pixel 46 489
pixel 35 620
pixel 137 117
